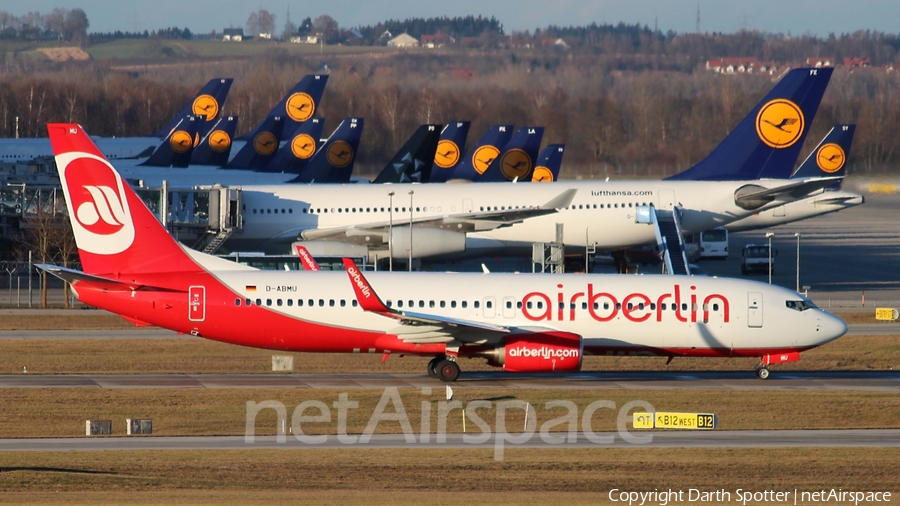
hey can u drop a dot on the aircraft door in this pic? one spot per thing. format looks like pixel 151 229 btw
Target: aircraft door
pixel 666 199
pixel 467 206
pixel 490 307
pixel 197 303
pixel 509 307
pixel 754 309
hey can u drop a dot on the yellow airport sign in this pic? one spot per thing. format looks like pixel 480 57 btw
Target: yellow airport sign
pixel 886 313
pixel 643 421
pixel 691 421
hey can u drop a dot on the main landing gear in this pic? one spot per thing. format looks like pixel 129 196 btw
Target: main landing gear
pixel 443 369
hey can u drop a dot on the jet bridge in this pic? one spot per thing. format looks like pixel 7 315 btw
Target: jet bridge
pixel 669 237
pixel 203 217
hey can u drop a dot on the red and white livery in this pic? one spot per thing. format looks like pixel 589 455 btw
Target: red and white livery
pixel 519 322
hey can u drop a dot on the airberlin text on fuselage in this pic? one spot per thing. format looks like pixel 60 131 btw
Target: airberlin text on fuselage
pixel 635 307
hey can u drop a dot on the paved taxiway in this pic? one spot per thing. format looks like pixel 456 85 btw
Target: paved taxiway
pixel 626 380
pixel 673 439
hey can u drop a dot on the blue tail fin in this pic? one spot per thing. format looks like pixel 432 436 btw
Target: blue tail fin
pixel 175 150
pixel 546 168
pixel 517 160
pixel 298 149
pixel 451 147
pixel 829 159
pixel 484 153
pixel 412 164
pixel 333 162
pixel 767 142
pixel 207 102
pixel 214 147
pixel 298 105
pixel 261 147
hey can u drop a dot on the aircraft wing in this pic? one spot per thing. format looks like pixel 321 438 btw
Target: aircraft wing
pixel 462 222
pixel 422 328
pixel 753 196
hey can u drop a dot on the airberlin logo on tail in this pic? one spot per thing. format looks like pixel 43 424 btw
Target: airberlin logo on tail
pixel 95 195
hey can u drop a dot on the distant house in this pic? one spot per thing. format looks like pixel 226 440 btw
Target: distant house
pixel 304 39
pixel 403 40
pixel 267 36
pixel 819 62
pixel 857 62
pixel 233 34
pixel 554 43
pixel 436 40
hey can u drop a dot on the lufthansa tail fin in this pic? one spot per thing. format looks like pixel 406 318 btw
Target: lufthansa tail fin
pixel 207 102
pixel 117 236
pixel 261 148
pixel 548 164
pixel 412 164
pixel 517 160
pixel 484 153
pixel 333 162
pixel 830 156
pixel 214 147
pixel 767 142
pixel 450 149
pixel 298 149
pixel 298 106
pixel 176 148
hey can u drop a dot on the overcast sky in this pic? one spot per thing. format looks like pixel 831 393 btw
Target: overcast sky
pixel 819 17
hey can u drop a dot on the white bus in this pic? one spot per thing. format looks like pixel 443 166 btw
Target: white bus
pixel 714 243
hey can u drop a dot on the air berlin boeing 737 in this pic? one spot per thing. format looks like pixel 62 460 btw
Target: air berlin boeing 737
pixel 520 322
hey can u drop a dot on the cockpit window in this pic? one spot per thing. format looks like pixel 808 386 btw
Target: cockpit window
pixel 799 305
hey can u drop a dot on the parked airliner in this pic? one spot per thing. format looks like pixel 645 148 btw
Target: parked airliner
pixel 519 322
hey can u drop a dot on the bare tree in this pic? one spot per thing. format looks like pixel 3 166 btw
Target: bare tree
pixel 327 26
pixel 265 21
pixel 253 24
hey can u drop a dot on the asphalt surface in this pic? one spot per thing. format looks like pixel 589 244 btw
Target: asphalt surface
pixel 653 439
pixel 626 380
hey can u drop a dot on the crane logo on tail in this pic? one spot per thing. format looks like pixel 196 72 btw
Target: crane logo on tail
pixel 101 220
pixel 780 123
pixel 447 154
pixel 300 107
pixel 830 158
pixel 339 154
pixel 483 157
pixel 515 164
pixel 206 106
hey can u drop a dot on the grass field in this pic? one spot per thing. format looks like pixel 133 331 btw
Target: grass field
pixel 542 476
pixel 200 356
pixel 36 412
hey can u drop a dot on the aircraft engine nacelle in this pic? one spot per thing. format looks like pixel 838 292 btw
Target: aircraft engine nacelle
pixel 543 352
pixel 426 242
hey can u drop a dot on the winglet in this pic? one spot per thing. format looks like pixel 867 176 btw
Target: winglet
pixel 562 200
pixel 309 263
pixel 365 294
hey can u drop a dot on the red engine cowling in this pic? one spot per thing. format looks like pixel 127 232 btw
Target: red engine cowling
pixel 543 352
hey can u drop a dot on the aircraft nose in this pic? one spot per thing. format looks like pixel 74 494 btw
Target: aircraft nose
pixel 830 327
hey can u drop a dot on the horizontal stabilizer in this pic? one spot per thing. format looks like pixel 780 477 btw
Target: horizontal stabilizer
pixel 72 276
pixel 753 196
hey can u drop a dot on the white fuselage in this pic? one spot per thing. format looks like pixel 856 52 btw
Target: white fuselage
pixel 602 212
pixel 611 312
